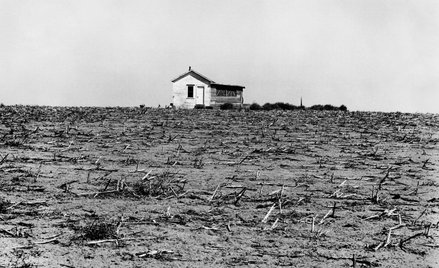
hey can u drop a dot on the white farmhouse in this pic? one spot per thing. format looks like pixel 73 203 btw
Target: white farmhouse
pixel 192 88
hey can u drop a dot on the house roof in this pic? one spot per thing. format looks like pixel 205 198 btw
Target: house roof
pixel 229 87
pixel 196 75
pixel 207 80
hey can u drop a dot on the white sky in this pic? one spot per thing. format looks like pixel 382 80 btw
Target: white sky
pixel 375 55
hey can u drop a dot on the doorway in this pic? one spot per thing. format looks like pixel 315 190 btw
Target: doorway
pixel 201 95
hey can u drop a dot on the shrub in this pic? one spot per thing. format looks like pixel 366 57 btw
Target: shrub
pixel 269 106
pixel 100 230
pixel 281 105
pixel 285 106
pixel 329 107
pixel 317 107
pixel 4 204
pixel 226 106
pixel 161 185
pixel 199 106
pixel 255 107
pixel 343 108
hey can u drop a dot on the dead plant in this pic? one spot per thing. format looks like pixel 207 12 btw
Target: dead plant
pixel 162 185
pixel 4 205
pixel 100 229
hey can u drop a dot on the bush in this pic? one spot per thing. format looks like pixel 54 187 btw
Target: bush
pixel 269 106
pixel 226 106
pixel 329 107
pixel 343 108
pixel 4 204
pixel 160 185
pixel 285 106
pixel 100 230
pixel 199 106
pixel 317 107
pixel 255 107
pixel 279 106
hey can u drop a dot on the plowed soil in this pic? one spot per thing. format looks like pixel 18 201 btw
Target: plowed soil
pixel 133 187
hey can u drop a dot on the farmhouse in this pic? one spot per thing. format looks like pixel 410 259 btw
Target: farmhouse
pixel 192 88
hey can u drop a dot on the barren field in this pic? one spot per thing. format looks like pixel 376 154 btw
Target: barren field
pixel 132 187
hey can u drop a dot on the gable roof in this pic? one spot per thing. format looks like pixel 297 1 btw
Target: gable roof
pixel 196 75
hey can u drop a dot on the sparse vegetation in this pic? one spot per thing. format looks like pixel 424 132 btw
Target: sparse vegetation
pixel 255 107
pixel 160 185
pixel 268 107
pixel 227 106
pixel 199 106
pixel 343 108
pixel 289 107
pixel 326 107
pixel 182 188
pixel 100 229
pixel 21 260
pixel 4 205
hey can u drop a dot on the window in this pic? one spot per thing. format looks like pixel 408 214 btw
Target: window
pixel 190 91
pixel 226 93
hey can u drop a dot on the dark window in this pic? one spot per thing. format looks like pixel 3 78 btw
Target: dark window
pixel 190 91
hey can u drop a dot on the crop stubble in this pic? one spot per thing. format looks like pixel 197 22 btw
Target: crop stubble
pixel 139 187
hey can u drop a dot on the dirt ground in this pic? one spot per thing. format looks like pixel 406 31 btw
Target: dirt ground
pixel 138 187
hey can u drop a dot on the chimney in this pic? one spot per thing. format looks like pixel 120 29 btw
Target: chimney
pixel 190 68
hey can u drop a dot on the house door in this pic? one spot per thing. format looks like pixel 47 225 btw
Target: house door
pixel 200 95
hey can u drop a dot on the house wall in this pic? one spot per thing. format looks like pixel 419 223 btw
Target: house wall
pixel 179 93
pixel 218 100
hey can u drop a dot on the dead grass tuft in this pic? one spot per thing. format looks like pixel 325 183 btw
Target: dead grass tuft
pixel 162 185
pixel 100 229
pixel 4 205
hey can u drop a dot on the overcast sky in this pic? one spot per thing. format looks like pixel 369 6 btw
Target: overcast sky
pixel 373 55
